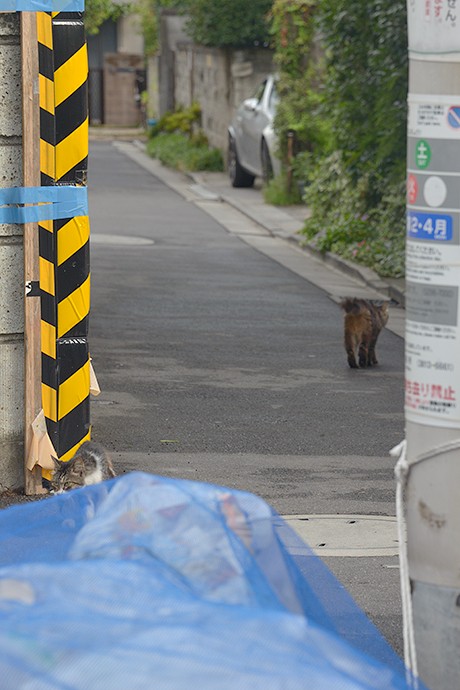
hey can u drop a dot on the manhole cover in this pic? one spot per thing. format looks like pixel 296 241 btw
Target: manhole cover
pixel 120 240
pixel 347 535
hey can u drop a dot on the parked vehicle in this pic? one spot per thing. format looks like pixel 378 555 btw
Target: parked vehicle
pixel 252 141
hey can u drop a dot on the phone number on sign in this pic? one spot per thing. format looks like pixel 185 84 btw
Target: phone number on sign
pixel 429 226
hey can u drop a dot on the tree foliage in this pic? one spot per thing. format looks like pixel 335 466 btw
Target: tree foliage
pixel 149 13
pixel 299 72
pixel 99 11
pixel 228 23
pixel 347 105
pixel 366 81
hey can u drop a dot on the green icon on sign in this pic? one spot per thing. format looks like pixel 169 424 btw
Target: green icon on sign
pixel 422 154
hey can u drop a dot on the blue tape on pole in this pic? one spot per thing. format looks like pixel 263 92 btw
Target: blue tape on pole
pixel 47 203
pixel 42 5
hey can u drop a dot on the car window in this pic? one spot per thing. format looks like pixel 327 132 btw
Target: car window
pixel 260 90
pixel 273 99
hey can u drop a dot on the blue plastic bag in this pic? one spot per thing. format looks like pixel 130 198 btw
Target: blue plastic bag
pixel 147 582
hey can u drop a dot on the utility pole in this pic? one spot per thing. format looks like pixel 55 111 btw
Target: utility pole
pixel 433 338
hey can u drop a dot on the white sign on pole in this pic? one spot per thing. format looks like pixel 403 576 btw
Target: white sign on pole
pixel 434 28
pixel 433 261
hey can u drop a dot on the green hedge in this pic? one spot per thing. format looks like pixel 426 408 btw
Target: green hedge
pixel 343 83
pixel 228 23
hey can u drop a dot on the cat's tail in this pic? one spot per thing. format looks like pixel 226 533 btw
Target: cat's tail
pixel 352 305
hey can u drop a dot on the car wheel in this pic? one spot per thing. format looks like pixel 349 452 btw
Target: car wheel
pixel 266 162
pixel 239 177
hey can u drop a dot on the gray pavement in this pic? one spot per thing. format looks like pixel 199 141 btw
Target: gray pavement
pixel 217 342
pixel 271 230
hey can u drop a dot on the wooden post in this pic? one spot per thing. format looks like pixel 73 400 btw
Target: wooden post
pixel 290 156
pixel 31 178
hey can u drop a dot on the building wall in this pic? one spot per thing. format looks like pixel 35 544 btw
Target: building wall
pixel 130 39
pixel 11 262
pixel 218 80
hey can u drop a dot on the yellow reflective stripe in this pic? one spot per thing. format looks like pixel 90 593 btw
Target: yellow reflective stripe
pixel 71 75
pixel 46 276
pixel 47 225
pixel 44 30
pixel 74 391
pixel 49 402
pixel 48 336
pixel 73 309
pixel 70 453
pixel 47 163
pixel 71 237
pixel 72 150
pixel 46 91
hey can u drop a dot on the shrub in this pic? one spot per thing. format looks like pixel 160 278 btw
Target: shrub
pixel 182 153
pixel 342 222
pixel 279 192
pixel 183 120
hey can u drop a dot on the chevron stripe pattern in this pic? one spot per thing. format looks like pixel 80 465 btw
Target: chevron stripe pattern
pixel 64 244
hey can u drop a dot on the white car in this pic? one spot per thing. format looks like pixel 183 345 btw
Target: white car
pixel 252 142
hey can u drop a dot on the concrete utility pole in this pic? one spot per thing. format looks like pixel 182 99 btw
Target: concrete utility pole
pixel 433 338
pixel 11 261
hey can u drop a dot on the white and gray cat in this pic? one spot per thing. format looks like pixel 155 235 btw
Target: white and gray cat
pixel 91 464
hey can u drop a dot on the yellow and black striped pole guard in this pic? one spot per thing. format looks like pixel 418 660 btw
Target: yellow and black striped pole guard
pixel 64 244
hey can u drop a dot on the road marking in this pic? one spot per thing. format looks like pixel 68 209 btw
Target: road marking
pixel 347 535
pixel 125 240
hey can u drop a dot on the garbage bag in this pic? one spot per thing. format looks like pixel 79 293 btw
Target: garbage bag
pixel 148 582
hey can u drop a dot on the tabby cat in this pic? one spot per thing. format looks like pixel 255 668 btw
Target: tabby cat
pixel 90 464
pixel 363 322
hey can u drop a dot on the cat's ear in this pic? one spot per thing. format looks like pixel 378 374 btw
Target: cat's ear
pixel 57 463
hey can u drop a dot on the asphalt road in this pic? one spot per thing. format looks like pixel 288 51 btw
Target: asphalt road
pixel 218 363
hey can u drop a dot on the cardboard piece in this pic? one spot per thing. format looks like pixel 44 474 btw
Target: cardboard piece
pixel 41 449
pixel 93 384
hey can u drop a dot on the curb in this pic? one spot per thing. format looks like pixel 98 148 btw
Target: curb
pixel 362 273
pixel 103 133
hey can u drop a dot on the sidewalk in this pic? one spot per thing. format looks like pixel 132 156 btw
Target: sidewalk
pixel 108 133
pixel 287 222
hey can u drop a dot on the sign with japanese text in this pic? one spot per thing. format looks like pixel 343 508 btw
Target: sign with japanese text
pixel 433 261
pixel 434 28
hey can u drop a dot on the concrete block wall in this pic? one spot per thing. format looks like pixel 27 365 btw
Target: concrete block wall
pixel 218 80
pixel 11 262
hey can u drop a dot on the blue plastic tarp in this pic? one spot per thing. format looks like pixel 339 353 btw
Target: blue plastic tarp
pixel 147 582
